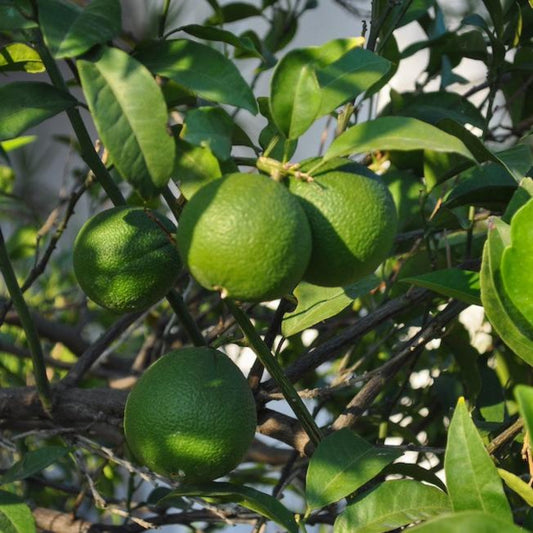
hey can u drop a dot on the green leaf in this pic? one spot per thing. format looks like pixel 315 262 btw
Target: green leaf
pixel 341 464
pixel 19 142
pixel 233 12
pixel 26 104
pixel 472 479
pixel 514 483
pixel 517 159
pixel 468 521
pixel 15 16
pixel 15 515
pixel 394 133
pixel 320 303
pixel 211 127
pixel 201 69
pixel 20 57
pixel 194 167
pixel 451 282
pixel 517 262
pixel 521 196
pixel 131 118
pixel 524 395
pixel 391 505
pixel 252 499
pixel 69 31
pixel 33 462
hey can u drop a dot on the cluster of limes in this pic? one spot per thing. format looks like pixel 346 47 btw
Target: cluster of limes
pixel 192 415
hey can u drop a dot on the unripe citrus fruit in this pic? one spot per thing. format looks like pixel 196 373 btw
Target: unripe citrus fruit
pixel 353 224
pixel 191 416
pixel 125 258
pixel 245 235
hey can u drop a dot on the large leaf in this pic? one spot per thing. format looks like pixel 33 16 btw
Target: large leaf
pixel 391 505
pixel 320 303
pixel 15 515
pixel 471 477
pixel 341 464
pixel 468 521
pixel 514 483
pixel 20 56
pixel 252 499
pixel 451 282
pixel 25 104
pixel 201 69
pixel 131 118
pixel 517 262
pixel 394 133
pixel 33 462
pixel 69 31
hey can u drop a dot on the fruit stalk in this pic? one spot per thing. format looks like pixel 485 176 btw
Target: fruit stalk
pixel 275 370
pixel 178 306
pixel 39 368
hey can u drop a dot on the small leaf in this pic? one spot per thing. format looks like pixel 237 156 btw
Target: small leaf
pixel 341 464
pixel 211 127
pixel 468 521
pixel 201 69
pixel 33 462
pixel 514 483
pixel 194 167
pixel 70 31
pixel 394 133
pixel 26 104
pixel 320 303
pixel 452 282
pixel 20 57
pixel 19 142
pixel 233 12
pixel 131 118
pixel 15 515
pixel 524 395
pixel 391 505
pixel 252 499
pixel 472 479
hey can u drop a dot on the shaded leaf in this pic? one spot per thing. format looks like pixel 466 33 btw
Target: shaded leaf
pixel 452 282
pixel 69 31
pixel 201 69
pixel 514 483
pixel 131 118
pixel 391 505
pixel 524 395
pixel 26 104
pixel 320 303
pixel 233 12
pixel 341 464
pixel 252 499
pixel 471 521
pixel 394 133
pixel 15 16
pixel 517 159
pixel 15 515
pixel 522 195
pixel 20 57
pixel 472 479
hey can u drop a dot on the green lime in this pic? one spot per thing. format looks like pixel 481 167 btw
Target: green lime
pixel 353 224
pixel 245 235
pixel 125 258
pixel 191 416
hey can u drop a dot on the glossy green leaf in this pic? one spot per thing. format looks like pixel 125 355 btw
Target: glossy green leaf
pixel 130 114
pixel 518 160
pixel 201 69
pixel 26 104
pixel 252 499
pixel 413 470
pixel 451 282
pixel 12 18
pixel 513 482
pixel 341 464
pixel 69 31
pixel 524 395
pixel 320 303
pixel 33 462
pixel 194 167
pixel 15 515
pixel 471 476
pixel 394 133
pixel 392 505
pixel 509 327
pixel 468 521
pixel 20 57
pixel 211 127
pixel 522 195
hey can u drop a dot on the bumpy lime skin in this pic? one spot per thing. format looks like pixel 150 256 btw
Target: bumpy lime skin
pixel 191 416
pixel 245 235
pixel 353 224
pixel 125 258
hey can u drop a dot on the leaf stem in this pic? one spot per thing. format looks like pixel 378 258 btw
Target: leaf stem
pixel 163 19
pixel 37 356
pixel 275 370
pixel 191 327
